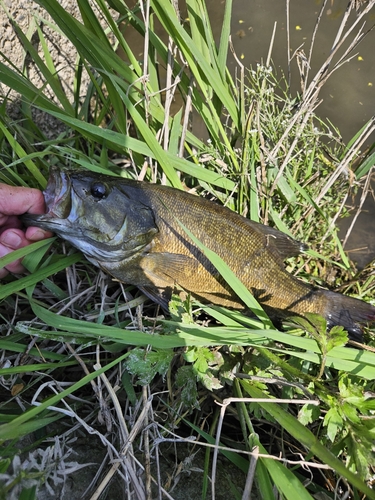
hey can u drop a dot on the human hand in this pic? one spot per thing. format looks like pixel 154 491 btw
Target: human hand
pixel 16 201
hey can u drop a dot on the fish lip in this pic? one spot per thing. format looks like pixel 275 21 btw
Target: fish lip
pixel 57 197
pixel 57 194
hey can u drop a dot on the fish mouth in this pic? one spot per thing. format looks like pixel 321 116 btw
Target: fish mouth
pixel 57 196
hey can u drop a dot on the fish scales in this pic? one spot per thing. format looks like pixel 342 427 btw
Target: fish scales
pixel 133 231
pixel 240 243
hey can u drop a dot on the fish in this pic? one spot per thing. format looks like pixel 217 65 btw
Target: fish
pixel 133 230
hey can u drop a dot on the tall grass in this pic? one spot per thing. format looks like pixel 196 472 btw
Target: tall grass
pixel 267 156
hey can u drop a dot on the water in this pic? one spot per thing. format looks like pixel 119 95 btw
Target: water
pixel 348 97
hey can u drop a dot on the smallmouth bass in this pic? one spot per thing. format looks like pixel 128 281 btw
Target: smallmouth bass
pixel 130 229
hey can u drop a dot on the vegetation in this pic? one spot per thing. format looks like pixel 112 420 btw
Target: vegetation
pixel 82 350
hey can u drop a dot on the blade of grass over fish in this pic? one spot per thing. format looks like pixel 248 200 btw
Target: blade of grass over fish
pixel 16 286
pixel 21 153
pixel 237 286
pixel 15 428
pixel 303 435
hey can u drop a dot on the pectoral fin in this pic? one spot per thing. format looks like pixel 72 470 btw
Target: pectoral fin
pixel 168 269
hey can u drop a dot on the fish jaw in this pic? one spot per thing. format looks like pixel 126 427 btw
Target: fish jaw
pixel 58 199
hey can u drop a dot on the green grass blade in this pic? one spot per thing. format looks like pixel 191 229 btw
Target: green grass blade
pixel 224 38
pixel 16 286
pixel 15 370
pixel 21 252
pixel 202 70
pixel 365 166
pixel 21 153
pixel 121 144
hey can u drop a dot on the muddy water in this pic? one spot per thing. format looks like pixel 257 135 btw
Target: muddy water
pixel 348 97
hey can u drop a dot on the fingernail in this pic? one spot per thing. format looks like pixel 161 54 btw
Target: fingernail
pixel 11 239
pixel 39 235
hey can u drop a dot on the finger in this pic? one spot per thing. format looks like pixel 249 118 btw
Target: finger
pixel 17 201
pixel 3 273
pixel 36 234
pixel 14 267
pixel 13 239
pixel 9 221
pixel 10 240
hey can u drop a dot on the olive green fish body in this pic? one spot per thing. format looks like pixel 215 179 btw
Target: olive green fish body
pixel 133 230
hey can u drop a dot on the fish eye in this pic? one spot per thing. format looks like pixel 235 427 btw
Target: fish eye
pixel 98 190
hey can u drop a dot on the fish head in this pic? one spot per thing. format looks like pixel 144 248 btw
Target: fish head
pixel 103 216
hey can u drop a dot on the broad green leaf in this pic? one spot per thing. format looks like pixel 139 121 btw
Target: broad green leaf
pixel 333 422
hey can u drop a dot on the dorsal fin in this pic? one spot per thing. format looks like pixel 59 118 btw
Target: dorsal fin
pixel 279 243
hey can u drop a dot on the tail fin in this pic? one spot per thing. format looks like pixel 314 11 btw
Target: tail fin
pixel 348 312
